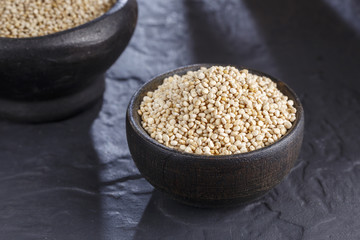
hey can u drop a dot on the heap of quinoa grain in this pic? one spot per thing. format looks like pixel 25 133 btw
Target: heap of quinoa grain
pixel 32 18
pixel 217 111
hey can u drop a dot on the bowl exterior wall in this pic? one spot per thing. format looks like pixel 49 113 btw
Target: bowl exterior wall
pixel 197 181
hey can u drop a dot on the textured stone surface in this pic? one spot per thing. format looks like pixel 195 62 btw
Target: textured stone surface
pixel 75 179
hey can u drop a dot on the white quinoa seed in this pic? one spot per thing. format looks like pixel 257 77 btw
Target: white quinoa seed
pixel 217 111
pixel 32 18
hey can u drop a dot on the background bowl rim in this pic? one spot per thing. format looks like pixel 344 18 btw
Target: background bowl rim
pixel 118 6
pixel 243 156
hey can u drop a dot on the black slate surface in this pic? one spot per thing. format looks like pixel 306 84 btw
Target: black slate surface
pixel 75 179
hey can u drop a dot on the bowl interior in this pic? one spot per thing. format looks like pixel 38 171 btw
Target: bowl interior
pixel 119 4
pixel 135 119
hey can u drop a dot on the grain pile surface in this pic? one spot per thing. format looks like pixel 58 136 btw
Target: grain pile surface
pixel 217 111
pixel 32 18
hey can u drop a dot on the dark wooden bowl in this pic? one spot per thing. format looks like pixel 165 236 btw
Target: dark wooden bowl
pixel 53 76
pixel 212 181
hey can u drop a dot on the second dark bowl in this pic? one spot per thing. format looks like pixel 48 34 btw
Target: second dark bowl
pixel 212 181
pixel 50 77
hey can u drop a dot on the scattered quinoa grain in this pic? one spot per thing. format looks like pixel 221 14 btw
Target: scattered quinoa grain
pixel 217 111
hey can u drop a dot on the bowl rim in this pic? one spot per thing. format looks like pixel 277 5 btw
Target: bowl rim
pixel 194 67
pixel 118 5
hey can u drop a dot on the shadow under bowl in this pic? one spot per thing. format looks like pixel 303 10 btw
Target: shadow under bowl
pixel 212 181
pixel 51 77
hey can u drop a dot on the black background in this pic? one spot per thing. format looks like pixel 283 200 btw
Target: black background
pixel 75 179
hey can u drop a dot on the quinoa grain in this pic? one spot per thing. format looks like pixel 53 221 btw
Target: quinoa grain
pixel 217 111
